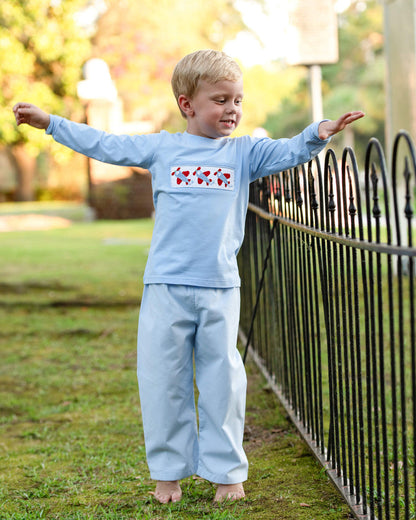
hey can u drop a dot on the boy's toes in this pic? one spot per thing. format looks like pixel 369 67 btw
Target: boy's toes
pixel 163 499
pixel 167 491
pixel 176 496
pixel 229 492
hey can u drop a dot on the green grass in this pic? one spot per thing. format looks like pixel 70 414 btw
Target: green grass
pixel 71 441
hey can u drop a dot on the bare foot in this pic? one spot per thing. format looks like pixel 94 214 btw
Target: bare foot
pixel 229 492
pixel 167 491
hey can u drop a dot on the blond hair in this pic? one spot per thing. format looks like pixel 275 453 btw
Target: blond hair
pixel 207 65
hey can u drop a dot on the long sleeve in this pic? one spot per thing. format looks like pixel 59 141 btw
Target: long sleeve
pixel 269 156
pixel 124 150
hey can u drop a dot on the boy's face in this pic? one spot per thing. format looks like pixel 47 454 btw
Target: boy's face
pixel 214 110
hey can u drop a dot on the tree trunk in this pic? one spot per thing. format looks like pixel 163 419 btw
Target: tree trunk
pixel 25 170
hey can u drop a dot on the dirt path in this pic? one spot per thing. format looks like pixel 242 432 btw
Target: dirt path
pixel 29 222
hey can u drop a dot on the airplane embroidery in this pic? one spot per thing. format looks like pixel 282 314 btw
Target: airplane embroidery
pixel 181 176
pixel 222 177
pixel 202 176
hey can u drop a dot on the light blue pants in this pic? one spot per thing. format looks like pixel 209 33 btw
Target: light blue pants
pixel 180 325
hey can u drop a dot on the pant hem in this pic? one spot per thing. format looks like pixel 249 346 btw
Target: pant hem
pixel 222 479
pixel 171 475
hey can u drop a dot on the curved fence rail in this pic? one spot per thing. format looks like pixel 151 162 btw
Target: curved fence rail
pixel 328 313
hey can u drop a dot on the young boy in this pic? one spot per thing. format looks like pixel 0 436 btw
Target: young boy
pixel 190 306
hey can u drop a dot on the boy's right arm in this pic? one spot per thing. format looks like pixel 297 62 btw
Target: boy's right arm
pixel 124 150
pixel 31 115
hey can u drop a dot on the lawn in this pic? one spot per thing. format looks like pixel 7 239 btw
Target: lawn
pixel 71 441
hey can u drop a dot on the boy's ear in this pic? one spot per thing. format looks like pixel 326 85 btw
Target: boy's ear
pixel 185 104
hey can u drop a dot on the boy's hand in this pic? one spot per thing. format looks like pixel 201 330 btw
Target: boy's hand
pixel 31 115
pixel 328 128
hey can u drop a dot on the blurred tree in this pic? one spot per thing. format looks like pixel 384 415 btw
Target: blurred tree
pixel 42 50
pixel 356 82
pixel 143 41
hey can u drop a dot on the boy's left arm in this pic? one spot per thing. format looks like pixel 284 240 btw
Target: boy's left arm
pixel 328 128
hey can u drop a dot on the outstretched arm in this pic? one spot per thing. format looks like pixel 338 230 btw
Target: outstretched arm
pixel 123 150
pixel 328 128
pixel 31 115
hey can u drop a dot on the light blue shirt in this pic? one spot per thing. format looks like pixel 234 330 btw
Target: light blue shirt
pixel 200 192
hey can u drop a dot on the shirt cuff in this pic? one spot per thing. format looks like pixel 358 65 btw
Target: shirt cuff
pixel 52 124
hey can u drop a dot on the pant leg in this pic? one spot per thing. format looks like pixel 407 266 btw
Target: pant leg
pixel 222 384
pixel 165 374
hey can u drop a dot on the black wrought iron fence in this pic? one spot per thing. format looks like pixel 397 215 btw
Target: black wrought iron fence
pixel 328 313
